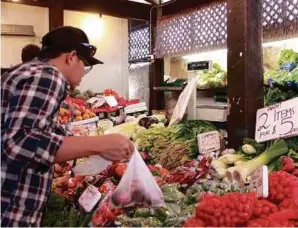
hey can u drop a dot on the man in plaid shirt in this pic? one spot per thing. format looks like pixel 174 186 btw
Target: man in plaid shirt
pixel 32 141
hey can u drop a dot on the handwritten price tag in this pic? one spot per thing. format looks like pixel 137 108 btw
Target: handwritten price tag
pixel 277 121
pixel 209 142
pixel 259 182
pixel 89 198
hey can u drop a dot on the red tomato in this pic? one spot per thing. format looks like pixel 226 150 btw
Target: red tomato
pixel 98 220
pixel 78 178
pixel 158 180
pixel 120 169
pixel 106 187
pixel 164 172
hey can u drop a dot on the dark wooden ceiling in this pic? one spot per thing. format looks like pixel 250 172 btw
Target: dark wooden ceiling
pixel 117 8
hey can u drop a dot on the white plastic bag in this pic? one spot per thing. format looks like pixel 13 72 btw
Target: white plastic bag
pixel 93 165
pixel 137 186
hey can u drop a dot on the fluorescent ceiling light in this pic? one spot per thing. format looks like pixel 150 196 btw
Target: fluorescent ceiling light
pixel 140 1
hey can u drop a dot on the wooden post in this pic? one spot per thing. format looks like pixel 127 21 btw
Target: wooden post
pixel 245 68
pixel 156 69
pixel 56 17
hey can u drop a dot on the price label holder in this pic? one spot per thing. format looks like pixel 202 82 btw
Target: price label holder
pixel 89 198
pixel 111 101
pixel 92 100
pixel 208 142
pixel 259 182
pixel 182 102
pixel 199 65
pixel 84 127
pixel 277 121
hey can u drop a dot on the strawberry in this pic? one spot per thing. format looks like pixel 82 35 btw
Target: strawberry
pixel 288 164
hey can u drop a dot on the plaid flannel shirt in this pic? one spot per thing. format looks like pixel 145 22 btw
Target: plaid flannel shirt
pixel 31 96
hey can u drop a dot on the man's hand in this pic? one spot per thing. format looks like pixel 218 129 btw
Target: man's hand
pixel 115 147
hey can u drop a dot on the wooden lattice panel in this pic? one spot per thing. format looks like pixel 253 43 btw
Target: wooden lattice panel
pixel 205 28
pixel 280 18
pixel 199 30
pixel 210 27
pixel 139 44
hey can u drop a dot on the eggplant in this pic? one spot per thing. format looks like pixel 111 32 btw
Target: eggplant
pixel 143 121
pixel 146 122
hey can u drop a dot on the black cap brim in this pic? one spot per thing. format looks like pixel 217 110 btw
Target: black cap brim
pixel 93 61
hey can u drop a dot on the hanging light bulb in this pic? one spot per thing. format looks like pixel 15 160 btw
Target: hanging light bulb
pixel 93 25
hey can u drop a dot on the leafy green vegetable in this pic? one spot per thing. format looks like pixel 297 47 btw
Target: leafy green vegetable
pixel 288 56
pixel 214 78
pixel 276 95
pixel 142 212
pixel 161 213
pixel 151 222
pixel 171 193
pixel 130 222
pixel 60 213
pixel 292 143
pixel 155 173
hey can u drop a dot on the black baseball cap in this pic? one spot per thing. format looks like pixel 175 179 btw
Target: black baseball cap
pixel 68 38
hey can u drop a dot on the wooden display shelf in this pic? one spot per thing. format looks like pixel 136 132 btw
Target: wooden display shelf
pixel 180 89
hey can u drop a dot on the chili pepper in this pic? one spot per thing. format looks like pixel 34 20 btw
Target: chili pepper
pixel 194 222
pixel 264 208
pixel 288 164
pixel 266 222
pixel 287 204
pixel 285 214
pixel 295 172
pixel 233 209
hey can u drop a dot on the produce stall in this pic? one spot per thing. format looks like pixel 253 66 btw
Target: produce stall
pixel 185 174
pixel 197 190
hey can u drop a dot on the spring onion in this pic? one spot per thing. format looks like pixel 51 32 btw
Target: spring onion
pixel 216 164
pixel 239 162
pixel 241 172
pixel 248 149
pixel 230 159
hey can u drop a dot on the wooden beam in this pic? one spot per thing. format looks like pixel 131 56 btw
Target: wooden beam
pixel 156 69
pixel 56 17
pixel 116 8
pixel 41 3
pixel 182 5
pixel 245 68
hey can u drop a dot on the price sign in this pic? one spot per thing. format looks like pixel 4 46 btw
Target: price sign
pixel 89 198
pixel 209 142
pixel 277 121
pixel 111 101
pixel 182 102
pixel 259 182
pixel 200 65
